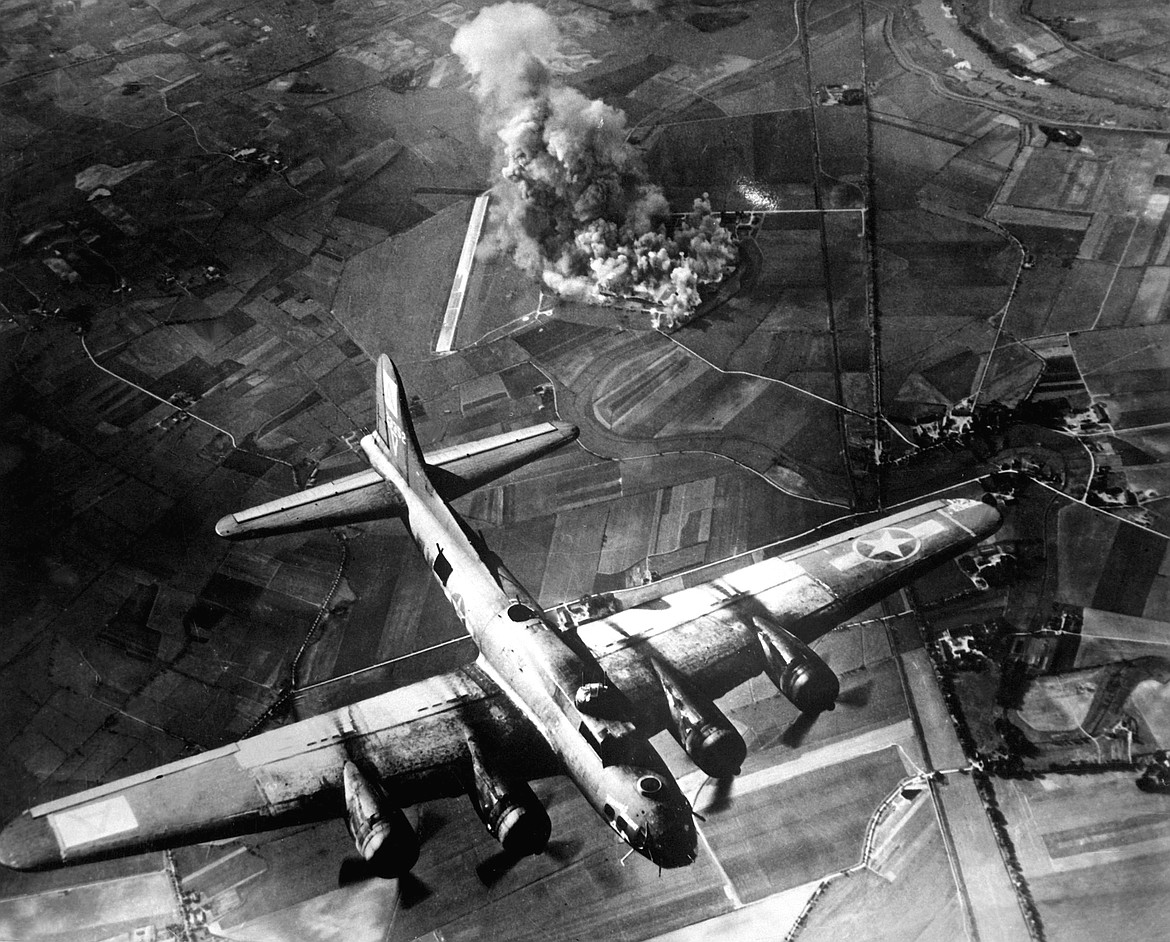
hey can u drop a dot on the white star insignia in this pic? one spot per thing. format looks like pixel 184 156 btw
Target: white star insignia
pixel 889 545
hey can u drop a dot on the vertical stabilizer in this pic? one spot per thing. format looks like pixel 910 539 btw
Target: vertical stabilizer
pixel 395 428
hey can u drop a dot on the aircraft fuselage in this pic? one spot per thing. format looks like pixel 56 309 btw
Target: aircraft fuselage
pixel 614 766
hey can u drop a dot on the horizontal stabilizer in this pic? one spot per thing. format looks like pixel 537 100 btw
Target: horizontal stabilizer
pixel 352 499
pixel 455 471
pixel 460 469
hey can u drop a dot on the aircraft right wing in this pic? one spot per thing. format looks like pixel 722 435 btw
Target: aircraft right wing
pixel 412 741
pixel 714 636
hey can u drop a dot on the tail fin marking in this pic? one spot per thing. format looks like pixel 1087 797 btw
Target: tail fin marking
pixel 395 429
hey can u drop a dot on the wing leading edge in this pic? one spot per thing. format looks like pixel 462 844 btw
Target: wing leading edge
pixel 708 634
pixel 412 740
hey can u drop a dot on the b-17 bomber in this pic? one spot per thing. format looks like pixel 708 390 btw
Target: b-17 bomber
pixel 545 696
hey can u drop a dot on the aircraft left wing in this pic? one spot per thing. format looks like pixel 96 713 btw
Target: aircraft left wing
pixel 412 741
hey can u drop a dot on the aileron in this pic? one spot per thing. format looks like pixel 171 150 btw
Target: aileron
pixel 162 771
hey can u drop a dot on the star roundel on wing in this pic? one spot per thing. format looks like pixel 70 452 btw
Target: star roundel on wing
pixel 888 545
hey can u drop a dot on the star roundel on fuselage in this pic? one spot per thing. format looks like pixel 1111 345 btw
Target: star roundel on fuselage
pixel 888 545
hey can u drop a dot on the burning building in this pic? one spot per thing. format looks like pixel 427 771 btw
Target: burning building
pixel 573 204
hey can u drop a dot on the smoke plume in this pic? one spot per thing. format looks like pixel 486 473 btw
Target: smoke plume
pixel 573 203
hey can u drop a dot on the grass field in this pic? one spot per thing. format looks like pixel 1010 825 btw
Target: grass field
pixel 814 824
pixel 1126 370
pixel 1108 636
pixel 637 393
pixel 1095 838
pixel 912 898
pixel 497 293
pixel 775 325
pixel 391 297
pixel 1151 700
pixel 89 913
pixel 1108 565
pixel 1060 703
pixel 773 151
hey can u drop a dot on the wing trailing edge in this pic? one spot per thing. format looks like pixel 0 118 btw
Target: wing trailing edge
pixel 454 471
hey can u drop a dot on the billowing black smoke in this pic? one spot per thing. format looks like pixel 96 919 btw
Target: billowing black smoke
pixel 574 204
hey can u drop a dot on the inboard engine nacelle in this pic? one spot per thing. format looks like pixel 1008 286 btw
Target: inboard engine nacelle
pixel 700 727
pixel 796 670
pixel 509 809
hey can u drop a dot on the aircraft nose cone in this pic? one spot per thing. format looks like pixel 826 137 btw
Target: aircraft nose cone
pixel 675 844
pixel 671 851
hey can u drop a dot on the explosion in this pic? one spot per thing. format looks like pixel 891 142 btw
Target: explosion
pixel 574 204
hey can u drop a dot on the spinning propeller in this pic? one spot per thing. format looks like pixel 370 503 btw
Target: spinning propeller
pixel 797 731
pixel 355 870
pixel 500 864
pixel 720 794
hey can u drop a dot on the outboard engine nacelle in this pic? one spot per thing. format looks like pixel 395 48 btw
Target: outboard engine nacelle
pixel 700 727
pixel 509 809
pixel 380 831
pixel 796 670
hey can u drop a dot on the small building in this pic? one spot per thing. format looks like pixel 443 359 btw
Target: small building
pixel 1066 136
pixel 828 95
pixel 956 646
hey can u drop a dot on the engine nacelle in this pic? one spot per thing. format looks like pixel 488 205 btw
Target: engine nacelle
pixel 509 809
pixel 796 670
pixel 700 727
pixel 380 831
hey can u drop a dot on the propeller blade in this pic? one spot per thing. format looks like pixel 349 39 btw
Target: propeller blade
pixel 798 729
pixel 429 824
pixel 495 868
pixel 720 795
pixel 563 851
pixel 856 696
pixel 500 864
pixel 354 871
pixel 411 890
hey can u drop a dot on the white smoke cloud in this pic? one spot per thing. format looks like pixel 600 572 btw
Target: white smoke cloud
pixel 574 204
pixel 499 45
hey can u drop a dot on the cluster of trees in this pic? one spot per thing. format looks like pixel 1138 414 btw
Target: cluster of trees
pixel 803 917
pixel 950 696
pixel 1008 850
pixel 986 791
